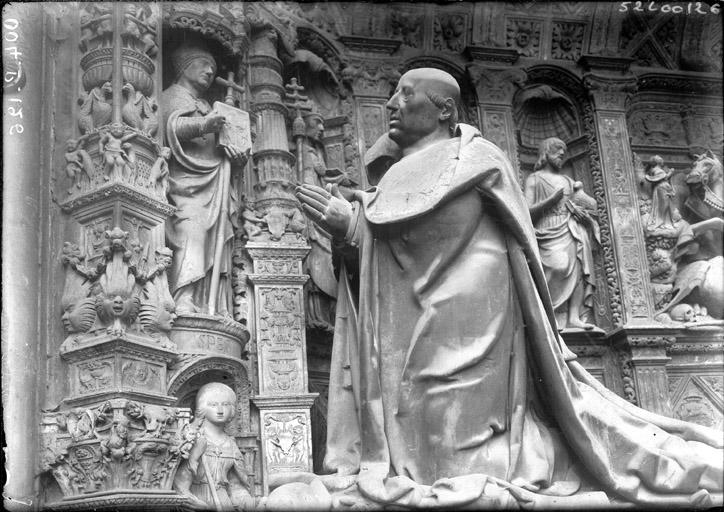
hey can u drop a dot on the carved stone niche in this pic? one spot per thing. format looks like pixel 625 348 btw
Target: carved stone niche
pixel 190 372
pixel 115 453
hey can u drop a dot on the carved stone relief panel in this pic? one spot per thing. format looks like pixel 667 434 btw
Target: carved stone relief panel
pixel 286 435
pixel 406 25
pixel 119 444
pixel 697 397
pixel 567 42
pixel 524 35
pixel 629 240
pixel 280 338
pixel 450 31
pixel 372 121
pixel 656 128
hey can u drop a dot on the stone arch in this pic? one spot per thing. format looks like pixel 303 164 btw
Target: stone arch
pixel 317 65
pixel 549 105
pixel 468 110
pixel 192 371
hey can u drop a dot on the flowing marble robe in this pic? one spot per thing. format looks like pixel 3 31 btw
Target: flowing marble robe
pixel 564 246
pixel 227 474
pixel 448 370
pixel 196 170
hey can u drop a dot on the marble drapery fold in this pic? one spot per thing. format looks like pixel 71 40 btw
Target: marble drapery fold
pixel 450 364
pixel 197 169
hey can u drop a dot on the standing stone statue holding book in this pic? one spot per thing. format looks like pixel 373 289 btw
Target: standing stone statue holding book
pixel 209 147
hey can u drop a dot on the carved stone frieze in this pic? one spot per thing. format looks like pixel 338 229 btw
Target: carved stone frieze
pixel 651 128
pixel 496 85
pixel 524 36
pixel 609 93
pixel 205 334
pixel 118 446
pixel 368 77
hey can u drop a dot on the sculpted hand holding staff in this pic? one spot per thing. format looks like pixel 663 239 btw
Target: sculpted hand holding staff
pixel 462 391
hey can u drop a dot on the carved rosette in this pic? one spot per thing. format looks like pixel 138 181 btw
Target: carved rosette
pixel 119 450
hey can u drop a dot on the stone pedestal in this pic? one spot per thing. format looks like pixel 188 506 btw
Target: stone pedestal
pixel 283 400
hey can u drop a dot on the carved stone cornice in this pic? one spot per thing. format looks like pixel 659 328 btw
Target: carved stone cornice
pixel 119 191
pixel 213 323
pixel 605 62
pixel 610 92
pixel 369 77
pixel 690 82
pixel 651 341
pixel 301 401
pixel 371 44
pixel 496 85
pixel 491 54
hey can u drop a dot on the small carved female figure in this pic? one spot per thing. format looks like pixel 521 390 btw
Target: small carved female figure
pixel 214 473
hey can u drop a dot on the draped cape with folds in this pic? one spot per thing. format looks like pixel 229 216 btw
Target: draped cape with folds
pixel 448 363
pixel 197 170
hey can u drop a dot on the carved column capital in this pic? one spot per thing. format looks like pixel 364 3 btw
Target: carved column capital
pixel 370 77
pixel 495 84
pixel 610 92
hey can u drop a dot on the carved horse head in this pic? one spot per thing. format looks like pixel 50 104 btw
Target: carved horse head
pixel 706 182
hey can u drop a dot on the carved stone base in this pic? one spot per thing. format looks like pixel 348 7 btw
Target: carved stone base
pixel 286 434
pixel 209 335
pixel 113 365
pixel 120 500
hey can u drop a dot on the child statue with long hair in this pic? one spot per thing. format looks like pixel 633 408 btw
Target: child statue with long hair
pixel 214 474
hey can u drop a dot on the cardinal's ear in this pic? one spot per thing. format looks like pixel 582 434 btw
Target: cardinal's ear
pixel 447 109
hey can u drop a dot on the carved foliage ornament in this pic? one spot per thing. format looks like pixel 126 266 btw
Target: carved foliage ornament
pixel 375 78
pixel 449 32
pixel 120 444
pixel 523 35
pixel 496 85
pixel 567 40
pixel 112 294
